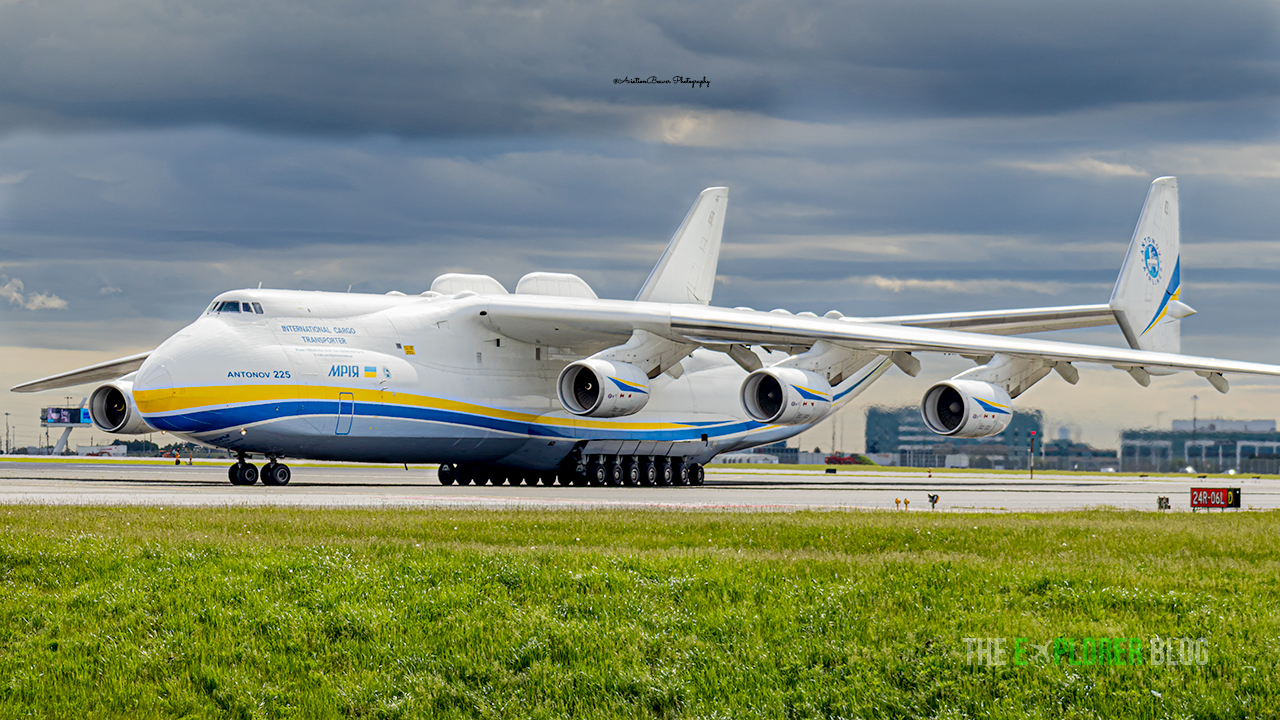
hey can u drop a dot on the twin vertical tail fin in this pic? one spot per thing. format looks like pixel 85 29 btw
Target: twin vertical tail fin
pixel 686 272
pixel 1146 299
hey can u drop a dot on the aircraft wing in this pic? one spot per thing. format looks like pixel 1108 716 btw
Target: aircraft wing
pixel 545 319
pixel 1009 322
pixel 109 370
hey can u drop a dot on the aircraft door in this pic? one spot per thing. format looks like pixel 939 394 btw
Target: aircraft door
pixel 346 413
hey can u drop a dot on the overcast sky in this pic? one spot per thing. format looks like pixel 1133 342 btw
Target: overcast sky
pixel 882 157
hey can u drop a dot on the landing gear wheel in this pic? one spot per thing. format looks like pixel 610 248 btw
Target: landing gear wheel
pixel 463 474
pixel 696 475
pixel 446 474
pixel 596 474
pixel 679 473
pixel 631 474
pixel 664 472
pixel 243 474
pixel 549 478
pixel 648 473
pixel 480 476
pixel 276 474
pixel 615 474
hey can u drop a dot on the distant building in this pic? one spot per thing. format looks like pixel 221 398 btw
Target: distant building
pixel 1221 425
pixel 1209 445
pixel 901 433
pixel 1062 454
pixel 745 458
pixel 790 455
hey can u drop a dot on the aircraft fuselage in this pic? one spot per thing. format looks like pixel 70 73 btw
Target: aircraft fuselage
pixel 409 379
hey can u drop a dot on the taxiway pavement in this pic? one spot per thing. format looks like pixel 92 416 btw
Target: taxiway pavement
pixel 142 482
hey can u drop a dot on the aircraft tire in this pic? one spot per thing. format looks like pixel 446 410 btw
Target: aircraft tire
pixel 679 473
pixel 446 474
pixel 597 474
pixel 480 476
pixel 548 478
pixel 631 474
pixel 697 475
pixel 615 473
pixel 246 474
pixel 664 472
pixel 232 475
pixel 276 474
pixel 648 473
pixel 464 474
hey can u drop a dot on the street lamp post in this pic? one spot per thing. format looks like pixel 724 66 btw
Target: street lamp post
pixel 1194 399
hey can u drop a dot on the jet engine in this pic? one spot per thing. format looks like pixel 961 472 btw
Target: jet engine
pixel 966 409
pixel 786 396
pixel 602 388
pixel 112 409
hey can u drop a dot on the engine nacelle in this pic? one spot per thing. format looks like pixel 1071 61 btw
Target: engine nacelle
pixel 112 409
pixel 786 396
pixel 602 388
pixel 966 409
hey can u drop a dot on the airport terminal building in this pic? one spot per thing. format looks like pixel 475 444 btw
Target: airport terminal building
pixel 898 436
pixel 1206 445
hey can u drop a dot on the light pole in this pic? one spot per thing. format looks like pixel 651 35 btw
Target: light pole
pixel 8 447
pixel 1194 399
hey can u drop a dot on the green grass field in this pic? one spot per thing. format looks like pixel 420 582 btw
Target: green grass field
pixel 137 612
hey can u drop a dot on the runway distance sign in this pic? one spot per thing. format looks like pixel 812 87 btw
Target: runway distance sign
pixel 1215 497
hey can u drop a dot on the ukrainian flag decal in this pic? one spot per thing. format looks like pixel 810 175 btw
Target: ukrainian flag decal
pixel 370 371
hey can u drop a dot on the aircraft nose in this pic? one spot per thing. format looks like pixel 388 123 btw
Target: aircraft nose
pixel 154 373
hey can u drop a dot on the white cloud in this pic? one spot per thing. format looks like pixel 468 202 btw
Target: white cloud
pixel 13 288
pixel 109 290
pixel 14 178
pixel 1080 166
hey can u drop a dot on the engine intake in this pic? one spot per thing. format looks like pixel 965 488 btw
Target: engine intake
pixel 112 409
pixel 966 409
pixel 602 388
pixel 786 396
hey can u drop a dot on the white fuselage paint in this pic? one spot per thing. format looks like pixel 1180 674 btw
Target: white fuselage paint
pixel 425 379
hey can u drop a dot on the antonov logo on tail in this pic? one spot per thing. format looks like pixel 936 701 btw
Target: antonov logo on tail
pixel 1151 259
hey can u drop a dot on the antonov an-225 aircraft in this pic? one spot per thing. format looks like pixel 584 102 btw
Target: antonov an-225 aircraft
pixel 553 383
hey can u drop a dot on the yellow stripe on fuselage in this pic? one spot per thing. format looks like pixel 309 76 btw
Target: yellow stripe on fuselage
pixel 168 400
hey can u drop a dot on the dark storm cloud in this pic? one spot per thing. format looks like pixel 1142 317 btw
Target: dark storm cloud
pixel 490 68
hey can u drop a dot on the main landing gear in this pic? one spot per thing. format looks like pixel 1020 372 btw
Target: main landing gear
pixel 596 471
pixel 273 473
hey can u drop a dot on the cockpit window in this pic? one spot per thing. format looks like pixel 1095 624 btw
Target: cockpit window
pixel 235 306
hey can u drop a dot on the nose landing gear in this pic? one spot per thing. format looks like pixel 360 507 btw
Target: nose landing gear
pixel 242 473
pixel 245 473
pixel 276 474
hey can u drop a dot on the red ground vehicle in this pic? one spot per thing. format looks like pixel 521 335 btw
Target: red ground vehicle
pixel 842 459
